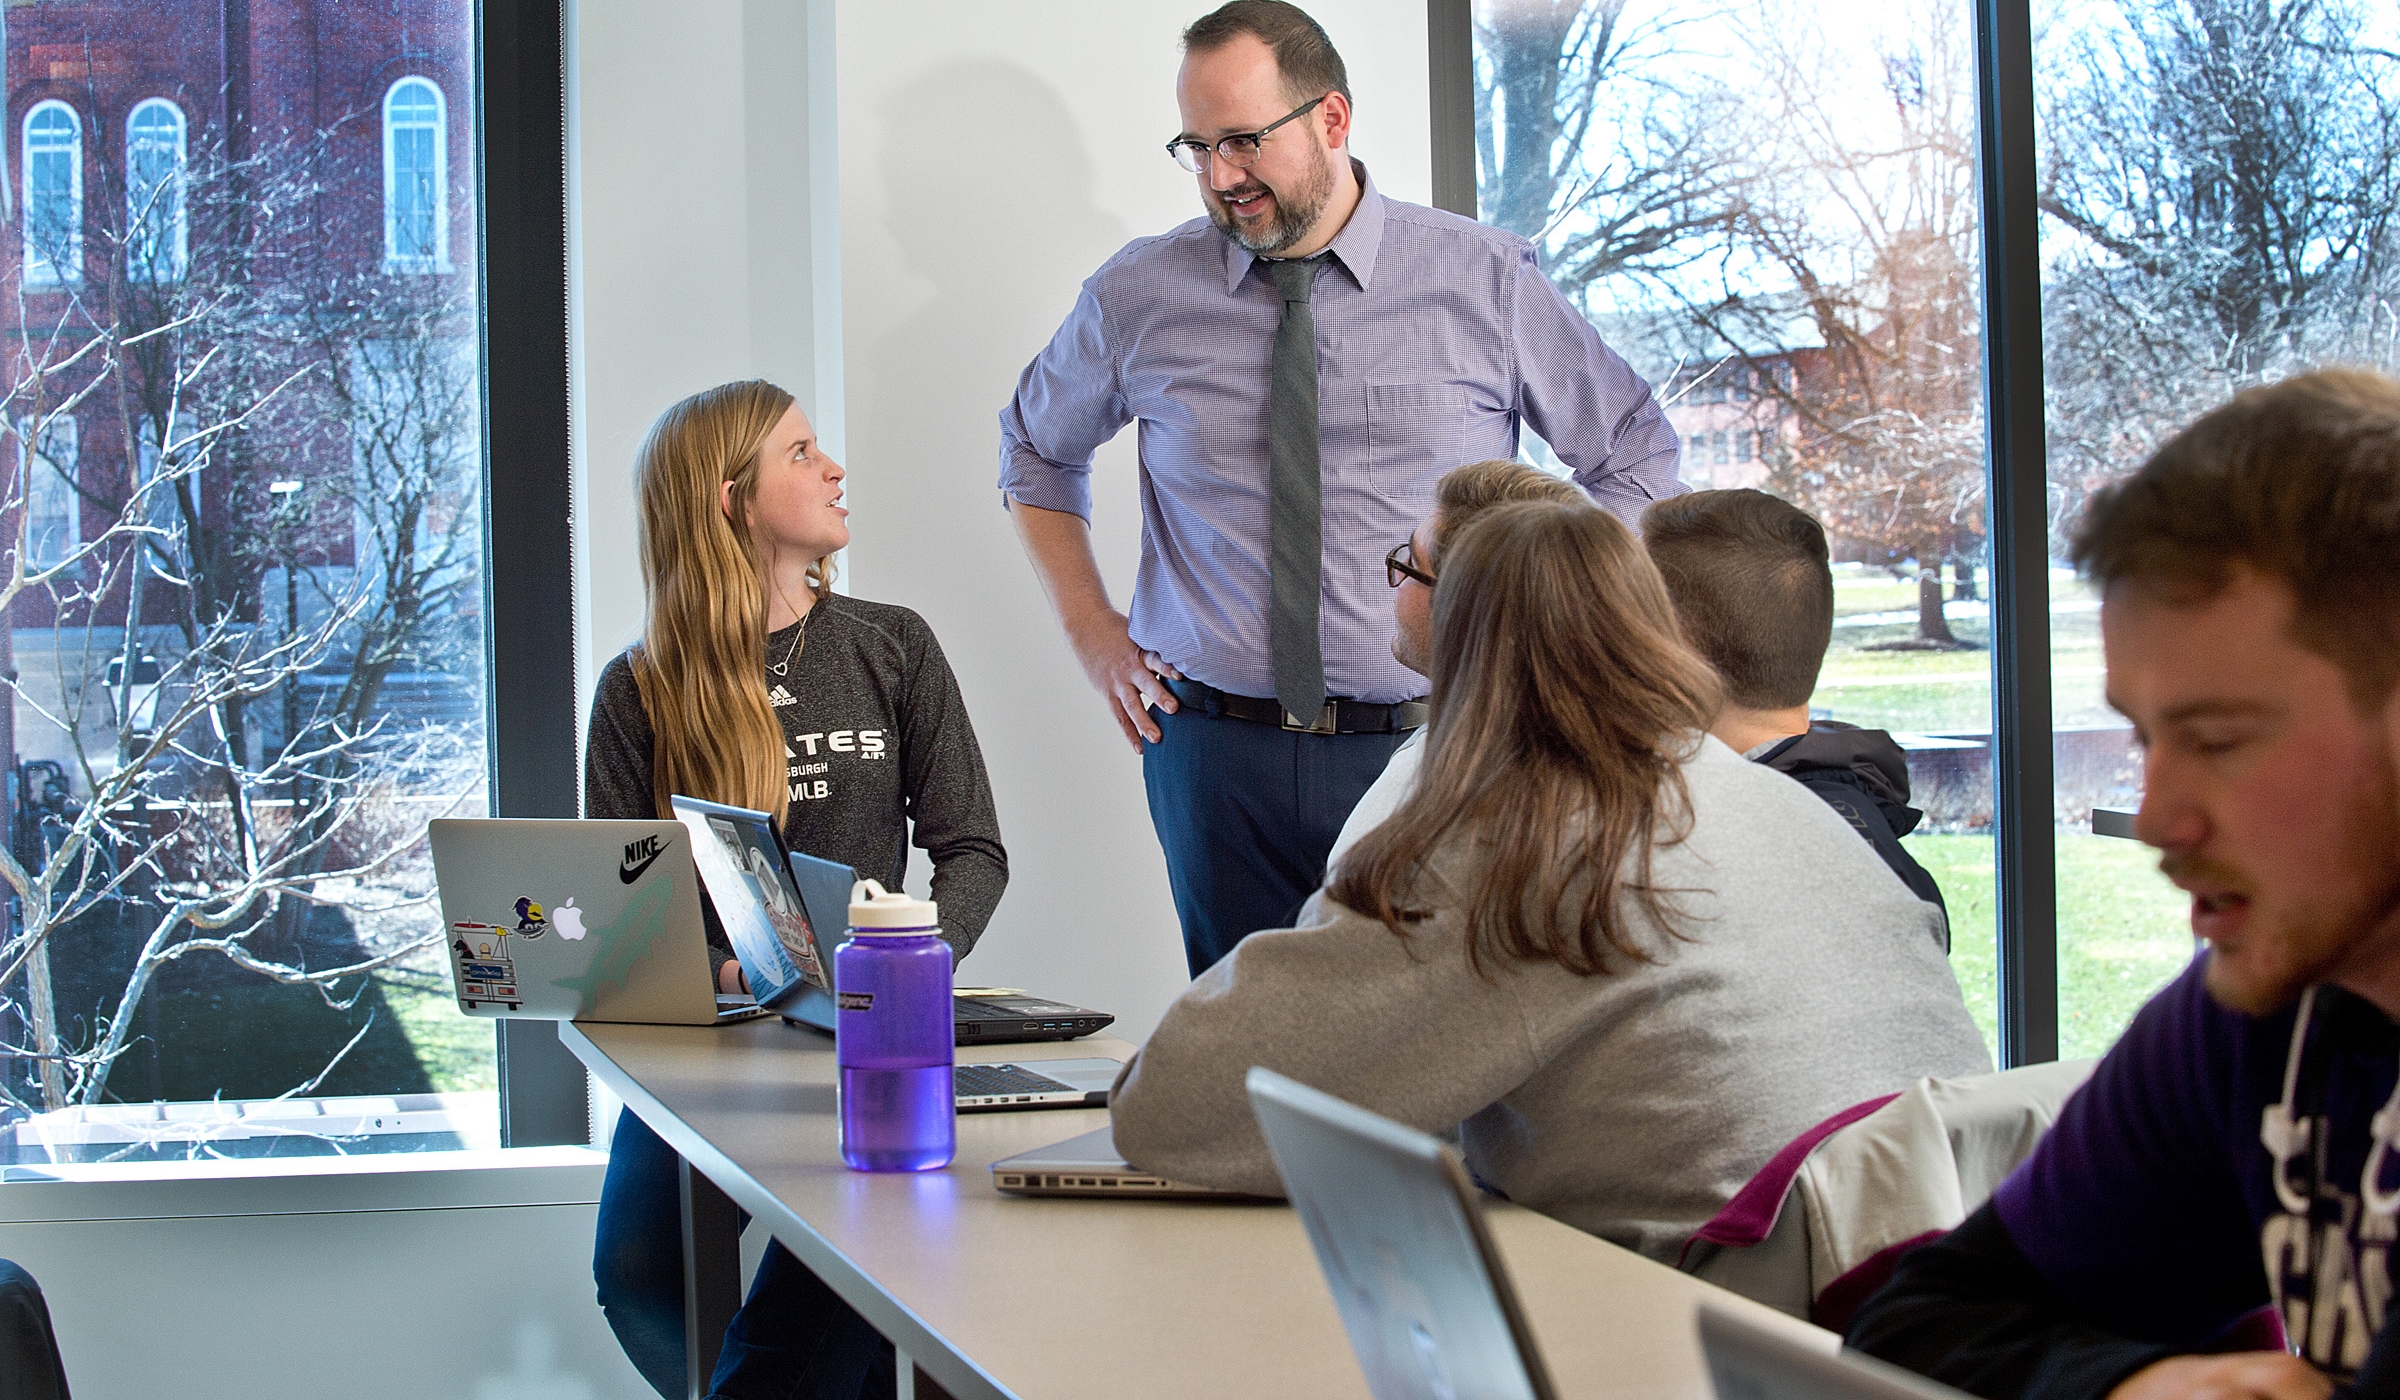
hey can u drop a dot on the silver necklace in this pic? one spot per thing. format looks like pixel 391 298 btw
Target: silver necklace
pixel 799 640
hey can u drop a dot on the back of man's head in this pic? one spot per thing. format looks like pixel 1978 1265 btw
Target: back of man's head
pixel 2299 481
pixel 1466 492
pixel 1752 586
pixel 1306 58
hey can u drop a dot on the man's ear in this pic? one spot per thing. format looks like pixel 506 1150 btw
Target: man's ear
pixel 1337 121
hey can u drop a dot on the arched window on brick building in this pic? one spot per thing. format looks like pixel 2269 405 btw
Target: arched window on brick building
pixel 53 506
pixel 157 237
pixel 416 178
pixel 53 166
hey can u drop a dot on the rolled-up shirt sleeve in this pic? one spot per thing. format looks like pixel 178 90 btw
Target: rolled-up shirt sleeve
pixel 1067 403
pixel 1593 409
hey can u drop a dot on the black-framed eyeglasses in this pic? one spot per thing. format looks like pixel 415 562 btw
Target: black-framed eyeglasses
pixel 1401 563
pixel 1239 150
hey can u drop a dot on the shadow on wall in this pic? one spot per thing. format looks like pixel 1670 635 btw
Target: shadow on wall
pixel 991 216
pixel 988 196
pixel 1018 181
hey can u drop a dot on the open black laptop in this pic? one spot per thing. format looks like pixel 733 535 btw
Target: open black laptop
pixel 790 966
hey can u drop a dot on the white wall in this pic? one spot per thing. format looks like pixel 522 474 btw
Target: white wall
pixel 993 155
pixel 689 236
pixel 423 1281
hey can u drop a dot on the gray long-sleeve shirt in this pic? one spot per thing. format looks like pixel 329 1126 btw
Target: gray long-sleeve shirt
pixel 1631 1104
pixel 876 739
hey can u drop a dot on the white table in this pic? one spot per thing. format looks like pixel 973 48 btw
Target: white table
pixel 1059 1299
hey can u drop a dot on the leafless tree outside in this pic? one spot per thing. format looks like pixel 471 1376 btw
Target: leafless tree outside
pixel 2220 180
pixel 235 372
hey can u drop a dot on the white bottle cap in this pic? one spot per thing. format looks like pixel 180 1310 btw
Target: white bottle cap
pixel 877 911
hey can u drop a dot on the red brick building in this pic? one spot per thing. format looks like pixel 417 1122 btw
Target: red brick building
pixel 252 171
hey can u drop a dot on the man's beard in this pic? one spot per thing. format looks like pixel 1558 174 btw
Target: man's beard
pixel 2309 939
pixel 1296 211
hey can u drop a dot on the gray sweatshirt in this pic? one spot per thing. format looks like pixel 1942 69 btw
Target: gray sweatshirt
pixel 1632 1104
pixel 876 741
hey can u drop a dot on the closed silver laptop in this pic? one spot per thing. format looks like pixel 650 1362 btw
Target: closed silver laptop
pixel 1086 1165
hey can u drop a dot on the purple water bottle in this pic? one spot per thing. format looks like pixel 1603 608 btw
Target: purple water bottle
pixel 894 1036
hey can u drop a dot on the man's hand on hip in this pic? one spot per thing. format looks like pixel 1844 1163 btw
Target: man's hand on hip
pixel 2244 1375
pixel 1060 546
pixel 1124 674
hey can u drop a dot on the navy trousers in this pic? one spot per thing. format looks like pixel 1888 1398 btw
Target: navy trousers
pixel 794 1338
pixel 1246 814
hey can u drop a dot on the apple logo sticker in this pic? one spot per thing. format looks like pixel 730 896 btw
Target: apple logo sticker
pixel 568 920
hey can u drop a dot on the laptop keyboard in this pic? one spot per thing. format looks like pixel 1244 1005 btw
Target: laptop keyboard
pixel 982 1081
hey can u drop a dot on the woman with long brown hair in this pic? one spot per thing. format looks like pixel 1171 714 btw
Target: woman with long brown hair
pixel 756 684
pixel 1625 964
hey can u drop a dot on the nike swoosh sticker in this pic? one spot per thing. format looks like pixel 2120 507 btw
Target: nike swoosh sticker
pixel 629 874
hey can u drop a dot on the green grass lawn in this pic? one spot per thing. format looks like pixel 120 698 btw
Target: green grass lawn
pixel 2123 932
pixel 1947 692
pixel 455 1050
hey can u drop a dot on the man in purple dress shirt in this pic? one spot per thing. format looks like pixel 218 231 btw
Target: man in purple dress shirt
pixel 2235 1151
pixel 1435 340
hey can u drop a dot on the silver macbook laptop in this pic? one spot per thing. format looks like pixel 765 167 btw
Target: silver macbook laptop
pixel 1398 1229
pixel 1749 1362
pixel 1088 1165
pixel 575 920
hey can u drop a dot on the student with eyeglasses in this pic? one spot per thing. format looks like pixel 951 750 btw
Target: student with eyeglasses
pixel 1411 572
pixel 1304 363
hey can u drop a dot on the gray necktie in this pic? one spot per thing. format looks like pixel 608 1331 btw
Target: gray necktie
pixel 1295 557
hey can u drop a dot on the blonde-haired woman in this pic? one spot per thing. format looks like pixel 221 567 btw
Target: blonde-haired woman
pixel 756 684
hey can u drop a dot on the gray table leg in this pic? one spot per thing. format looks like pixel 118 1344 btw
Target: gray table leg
pixel 712 1274
pixel 914 1383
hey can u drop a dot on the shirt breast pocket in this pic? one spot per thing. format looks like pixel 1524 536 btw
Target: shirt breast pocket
pixel 1413 435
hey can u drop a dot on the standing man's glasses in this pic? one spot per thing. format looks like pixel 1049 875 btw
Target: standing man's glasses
pixel 1239 151
pixel 1401 564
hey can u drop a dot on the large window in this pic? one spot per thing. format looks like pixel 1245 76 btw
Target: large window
pixel 1776 212
pixel 53 165
pixel 1771 210
pixel 234 712
pixel 2219 186
pixel 416 178
pixel 157 236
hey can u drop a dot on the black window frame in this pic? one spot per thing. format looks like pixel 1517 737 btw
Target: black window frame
pixel 528 550
pixel 2025 825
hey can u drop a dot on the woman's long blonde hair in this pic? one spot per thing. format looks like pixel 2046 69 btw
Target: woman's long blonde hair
pixel 701 667
pixel 1563 698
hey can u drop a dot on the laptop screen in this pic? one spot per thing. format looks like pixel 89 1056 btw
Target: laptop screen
pixel 741 863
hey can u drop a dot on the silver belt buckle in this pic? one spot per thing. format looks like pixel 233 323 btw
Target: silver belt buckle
pixel 1322 724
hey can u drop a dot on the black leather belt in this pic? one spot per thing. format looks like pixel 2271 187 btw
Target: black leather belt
pixel 1337 717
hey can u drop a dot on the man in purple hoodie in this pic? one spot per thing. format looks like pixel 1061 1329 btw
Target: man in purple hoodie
pixel 2235 1150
